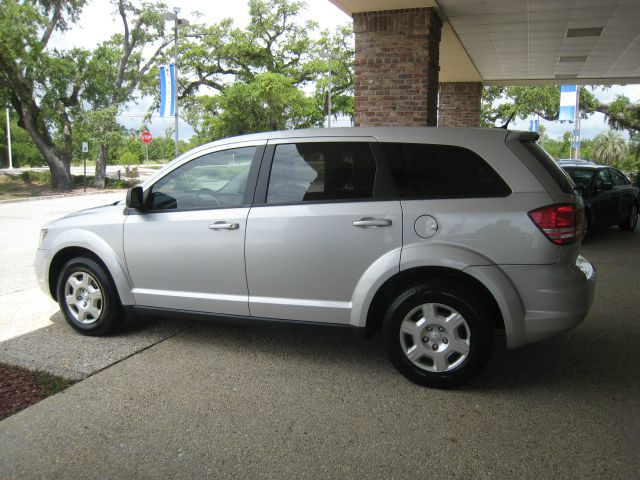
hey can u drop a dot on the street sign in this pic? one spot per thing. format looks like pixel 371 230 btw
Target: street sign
pixel 146 137
pixel 85 147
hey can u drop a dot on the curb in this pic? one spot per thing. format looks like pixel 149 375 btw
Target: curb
pixel 62 195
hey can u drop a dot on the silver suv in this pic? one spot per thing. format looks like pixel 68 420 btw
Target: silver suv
pixel 435 236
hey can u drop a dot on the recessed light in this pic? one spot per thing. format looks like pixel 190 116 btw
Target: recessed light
pixel 584 32
pixel 566 75
pixel 573 59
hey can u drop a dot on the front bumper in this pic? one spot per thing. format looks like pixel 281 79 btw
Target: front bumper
pixel 42 269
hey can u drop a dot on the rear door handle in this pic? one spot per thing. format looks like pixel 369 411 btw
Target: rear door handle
pixel 224 226
pixel 372 222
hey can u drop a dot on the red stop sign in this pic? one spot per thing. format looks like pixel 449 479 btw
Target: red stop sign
pixel 146 137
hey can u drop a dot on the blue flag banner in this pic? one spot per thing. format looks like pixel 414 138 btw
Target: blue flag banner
pixel 167 91
pixel 567 103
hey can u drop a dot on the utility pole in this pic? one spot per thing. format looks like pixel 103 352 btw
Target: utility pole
pixel 9 140
pixel 177 22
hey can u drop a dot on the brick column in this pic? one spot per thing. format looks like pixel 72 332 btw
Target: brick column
pixel 459 104
pixel 396 67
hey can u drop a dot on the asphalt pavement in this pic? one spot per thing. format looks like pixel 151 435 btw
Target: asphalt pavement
pixel 213 401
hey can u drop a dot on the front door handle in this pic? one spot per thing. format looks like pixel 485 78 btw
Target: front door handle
pixel 224 226
pixel 372 222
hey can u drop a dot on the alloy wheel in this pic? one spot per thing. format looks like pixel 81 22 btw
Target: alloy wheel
pixel 435 337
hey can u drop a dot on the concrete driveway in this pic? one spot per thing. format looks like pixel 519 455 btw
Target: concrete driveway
pixel 244 402
pixel 33 333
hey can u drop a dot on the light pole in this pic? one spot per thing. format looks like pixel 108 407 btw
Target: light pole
pixel 177 22
pixel 329 57
pixel 9 141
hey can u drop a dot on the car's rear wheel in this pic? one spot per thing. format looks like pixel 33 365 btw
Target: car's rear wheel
pixel 629 225
pixel 87 297
pixel 438 334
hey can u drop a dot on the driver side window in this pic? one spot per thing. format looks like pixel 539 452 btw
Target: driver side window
pixel 214 180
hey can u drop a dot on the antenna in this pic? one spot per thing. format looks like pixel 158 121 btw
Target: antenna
pixel 513 114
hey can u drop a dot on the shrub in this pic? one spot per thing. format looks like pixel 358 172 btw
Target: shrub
pixel 36 177
pixel 128 158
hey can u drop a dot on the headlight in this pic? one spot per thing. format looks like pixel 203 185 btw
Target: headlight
pixel 43 235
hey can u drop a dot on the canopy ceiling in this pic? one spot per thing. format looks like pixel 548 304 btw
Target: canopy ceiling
pixel 531 41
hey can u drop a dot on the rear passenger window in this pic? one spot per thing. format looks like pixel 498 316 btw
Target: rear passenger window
pixel 442 171
pixel 308 172
pixel 618 178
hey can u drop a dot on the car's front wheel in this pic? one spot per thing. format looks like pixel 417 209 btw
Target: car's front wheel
pixel 87 297
pixel 629 225
pixel 438 334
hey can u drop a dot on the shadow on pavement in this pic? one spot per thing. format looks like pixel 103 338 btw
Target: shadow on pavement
pixel 59 350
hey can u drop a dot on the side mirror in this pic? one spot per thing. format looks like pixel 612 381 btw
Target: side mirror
pixel 135 198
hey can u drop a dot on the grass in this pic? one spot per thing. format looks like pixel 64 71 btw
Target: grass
pixel 35 184
pixel 50 384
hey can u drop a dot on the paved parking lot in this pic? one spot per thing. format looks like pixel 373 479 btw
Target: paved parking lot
pixel 203 400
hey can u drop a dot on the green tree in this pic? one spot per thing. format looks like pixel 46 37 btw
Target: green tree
pixel 42 85
pixel 117 68
pixel 23 151
pixel 337 56
pixel 269 102
pixel 500 102
pixel 221 56
pixel 609 147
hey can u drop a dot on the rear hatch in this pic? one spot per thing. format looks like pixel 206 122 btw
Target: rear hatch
pixel 562 221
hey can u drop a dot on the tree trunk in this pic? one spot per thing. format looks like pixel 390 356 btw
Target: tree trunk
pixel 101 166
pixel 59 165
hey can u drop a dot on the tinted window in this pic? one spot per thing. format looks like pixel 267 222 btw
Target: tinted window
pixel 214 180
pixel 442 171
pixel 558 174
pixel 581 176
pixel 618 178
pixel 305 172
pixel 602 177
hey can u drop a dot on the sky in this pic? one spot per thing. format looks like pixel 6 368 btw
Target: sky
pixel 97 24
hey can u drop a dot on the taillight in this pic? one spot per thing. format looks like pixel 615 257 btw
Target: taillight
pixel 562 224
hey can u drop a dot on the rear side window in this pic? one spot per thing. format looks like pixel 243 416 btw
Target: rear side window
pixel 442 171
pixel 618 178
pixel 312 172
pixel 558 174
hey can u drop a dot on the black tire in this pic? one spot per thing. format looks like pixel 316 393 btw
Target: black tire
pixel 629 225
pixel 89 313
pixel 445 298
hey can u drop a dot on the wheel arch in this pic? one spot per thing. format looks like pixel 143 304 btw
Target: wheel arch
pixel 111 265
pixel 405 278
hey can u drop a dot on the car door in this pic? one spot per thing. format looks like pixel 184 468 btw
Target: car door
pixel 185 250
pixel 624 192
pixel 604 205
pixel 320 221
